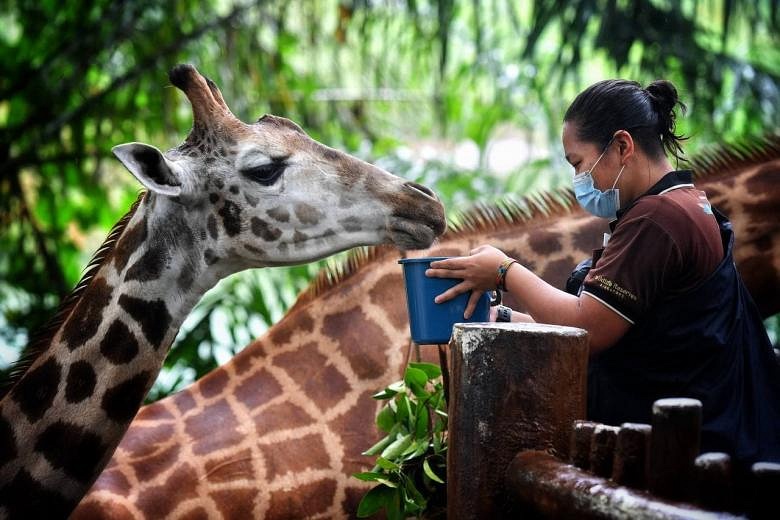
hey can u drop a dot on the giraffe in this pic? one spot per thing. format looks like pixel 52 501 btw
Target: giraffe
pixel 231 197
pixel 277 431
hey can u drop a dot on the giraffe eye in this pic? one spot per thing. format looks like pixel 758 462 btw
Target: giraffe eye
pixel 265 174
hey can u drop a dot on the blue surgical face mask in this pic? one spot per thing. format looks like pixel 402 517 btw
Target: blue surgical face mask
pixel 596 202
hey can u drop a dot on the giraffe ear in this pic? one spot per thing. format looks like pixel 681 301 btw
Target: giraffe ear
pixel 150 167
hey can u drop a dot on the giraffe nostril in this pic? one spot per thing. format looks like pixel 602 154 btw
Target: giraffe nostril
pixel 422 189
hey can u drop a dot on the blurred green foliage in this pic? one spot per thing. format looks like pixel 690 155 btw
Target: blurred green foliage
pixel 408 84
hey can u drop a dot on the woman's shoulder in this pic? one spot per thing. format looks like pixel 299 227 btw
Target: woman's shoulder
pixel 670 207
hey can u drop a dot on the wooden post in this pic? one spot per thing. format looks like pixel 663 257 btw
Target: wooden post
pixel 766 485
pixel 674 446
pixel 631 455
pixel 513 386
pixel 581 437
pixel 714 485
pixel 602 450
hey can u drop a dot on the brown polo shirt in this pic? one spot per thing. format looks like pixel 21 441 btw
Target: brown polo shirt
pixel 663 245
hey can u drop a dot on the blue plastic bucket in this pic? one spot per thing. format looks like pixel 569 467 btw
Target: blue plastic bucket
pixel 431 322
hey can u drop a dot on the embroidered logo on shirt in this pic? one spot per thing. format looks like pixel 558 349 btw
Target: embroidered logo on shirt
pixel 613 288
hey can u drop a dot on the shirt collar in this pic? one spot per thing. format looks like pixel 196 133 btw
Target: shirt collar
pixel 671 180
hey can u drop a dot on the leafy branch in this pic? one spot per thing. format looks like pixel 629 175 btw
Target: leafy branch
pixel 411 458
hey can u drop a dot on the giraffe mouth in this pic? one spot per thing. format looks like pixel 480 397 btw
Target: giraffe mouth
pixel 411 234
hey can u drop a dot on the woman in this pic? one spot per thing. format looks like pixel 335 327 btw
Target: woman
pixel 665 309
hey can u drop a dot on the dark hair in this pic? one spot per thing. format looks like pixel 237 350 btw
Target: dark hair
pixel 648 114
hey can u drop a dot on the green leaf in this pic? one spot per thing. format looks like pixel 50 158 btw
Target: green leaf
pixel 384 442
pixel 369 476
pixel 413 497
pixel 431 371
pixel 421 423
pixel 431 475
pixel 377 498
pixel 386 464
pixel 385 419
pixel 415 376
pixel 397 447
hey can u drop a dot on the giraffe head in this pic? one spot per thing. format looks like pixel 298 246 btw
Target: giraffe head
pixel 267 194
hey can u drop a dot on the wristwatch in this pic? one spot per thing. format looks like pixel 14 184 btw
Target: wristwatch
pixel 503 313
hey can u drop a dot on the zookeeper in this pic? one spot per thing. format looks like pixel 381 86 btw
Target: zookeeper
pixel 664 306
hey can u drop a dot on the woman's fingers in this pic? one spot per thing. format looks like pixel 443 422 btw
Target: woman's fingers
pixel 452 292
pixel 472 305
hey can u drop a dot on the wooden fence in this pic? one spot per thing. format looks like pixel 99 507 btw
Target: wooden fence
pixel 519 444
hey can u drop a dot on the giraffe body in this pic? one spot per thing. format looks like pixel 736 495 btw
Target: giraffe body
pixel 276 432
pixel 233 196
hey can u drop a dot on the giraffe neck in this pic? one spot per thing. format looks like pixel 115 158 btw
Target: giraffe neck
pixel 63 418
pixel 295 408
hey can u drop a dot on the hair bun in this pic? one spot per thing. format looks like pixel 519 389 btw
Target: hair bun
pixel 664 95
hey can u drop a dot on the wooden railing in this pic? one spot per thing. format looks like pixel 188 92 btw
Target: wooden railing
pixel 518 443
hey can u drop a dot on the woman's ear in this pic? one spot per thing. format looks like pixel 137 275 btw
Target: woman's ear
pixel 150 167
pixel 625 144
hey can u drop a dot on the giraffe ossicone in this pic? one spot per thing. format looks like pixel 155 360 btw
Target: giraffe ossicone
pixel 232 196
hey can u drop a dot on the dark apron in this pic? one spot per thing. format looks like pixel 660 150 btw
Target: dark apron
pixel 709 344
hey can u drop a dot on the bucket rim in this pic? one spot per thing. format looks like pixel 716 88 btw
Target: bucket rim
pixel 424 259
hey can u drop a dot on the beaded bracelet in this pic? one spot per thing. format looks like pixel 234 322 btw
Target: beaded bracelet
pixel 502 270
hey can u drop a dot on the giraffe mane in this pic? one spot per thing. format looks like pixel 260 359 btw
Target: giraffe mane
pixel 728 158
pixel 510 210
pixel 41 340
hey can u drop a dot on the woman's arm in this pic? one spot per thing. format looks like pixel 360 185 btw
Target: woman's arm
pixel 545 303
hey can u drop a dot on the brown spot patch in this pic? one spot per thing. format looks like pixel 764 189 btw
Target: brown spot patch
pixel 351 428
pixel 129 242
pixel 114 482
pixel 257 389
pixel 236 466
pixel 142 441
pixel 149 467
pixel 360 339
pixel 351 224
pixel 294 455
pixel 388 294
pixel 231 217
pixel 280 334
pixel 80 382
pixel 312 371
pixel 184 401
pixel 211 225
pixel 279 214
pixel 304 501
pixel 213 384
pixel 213 428
pixel 85 319
pixel 264 230
pixel 153 316
pixel 36 390
pixel 150 266
pixel 73 449
pixel 307 214
pixel 122 401
pixel 199 513
pixel 557 272
pixel 159 501
pixel 119 344
pixel 588 237
pixel 544 242
pixel 280 416
pixel 235 503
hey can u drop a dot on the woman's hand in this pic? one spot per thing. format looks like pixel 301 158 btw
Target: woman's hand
pixel 478 272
